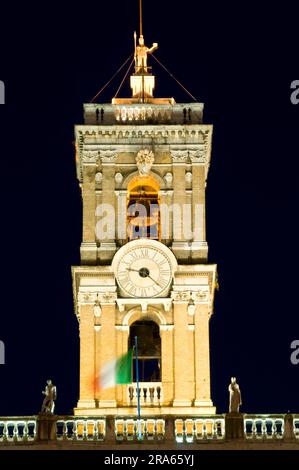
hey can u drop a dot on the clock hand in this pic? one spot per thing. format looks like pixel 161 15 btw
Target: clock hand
pixel 156 282
pixel 147 275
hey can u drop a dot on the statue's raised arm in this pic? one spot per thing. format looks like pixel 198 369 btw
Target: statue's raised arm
pixel 141 55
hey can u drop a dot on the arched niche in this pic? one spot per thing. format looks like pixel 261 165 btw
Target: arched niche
pixel 143 208
pixel 135 314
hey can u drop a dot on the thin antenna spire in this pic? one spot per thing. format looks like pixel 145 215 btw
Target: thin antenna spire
pixel 135 44
pixel 140 18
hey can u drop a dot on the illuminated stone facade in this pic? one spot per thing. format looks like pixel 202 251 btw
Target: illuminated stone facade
pixel 156 151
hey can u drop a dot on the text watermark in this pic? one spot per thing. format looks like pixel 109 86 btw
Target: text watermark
pixel 295 354
pixel 178 221
pixel 2 92
pixel 2 353
pixel 294 97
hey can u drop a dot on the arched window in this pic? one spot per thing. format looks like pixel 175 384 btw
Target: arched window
pixel 143 209
pixel 149 350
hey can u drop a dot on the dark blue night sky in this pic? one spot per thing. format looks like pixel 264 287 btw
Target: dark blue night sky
pixel 240 61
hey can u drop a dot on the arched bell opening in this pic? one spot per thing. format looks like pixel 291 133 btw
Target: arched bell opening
pixel 143 209
pixel 149 350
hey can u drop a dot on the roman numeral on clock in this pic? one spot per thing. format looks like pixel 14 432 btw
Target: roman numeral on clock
pixel 131 289
pixel 144 253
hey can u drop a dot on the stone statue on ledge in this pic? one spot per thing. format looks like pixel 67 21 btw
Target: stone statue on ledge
pixel 50 393
pixel 234 396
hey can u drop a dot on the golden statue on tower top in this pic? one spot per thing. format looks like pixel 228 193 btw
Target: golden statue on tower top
pixel 141 52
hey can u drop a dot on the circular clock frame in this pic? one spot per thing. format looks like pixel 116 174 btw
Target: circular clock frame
pixel 144 268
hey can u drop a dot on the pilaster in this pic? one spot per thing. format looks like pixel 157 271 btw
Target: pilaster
pixel 167 363
pixel 183 353
pixel 88 246
pixel 87 357
pixel 108 209
pixel 108 349
pixel 199 247
pixel 202 356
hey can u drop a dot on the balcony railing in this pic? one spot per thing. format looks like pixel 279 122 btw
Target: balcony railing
pixel 130 429
pixel 81 429
pixel 190 430
pixel 263 427
pixel 150 394
pixel 187 430
pixel 18 429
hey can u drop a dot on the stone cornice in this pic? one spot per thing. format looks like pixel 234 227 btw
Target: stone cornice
pixel 189 145
pixel 196 132
pixel 97 272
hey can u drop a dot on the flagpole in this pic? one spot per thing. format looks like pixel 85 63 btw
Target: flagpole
pixel 138 391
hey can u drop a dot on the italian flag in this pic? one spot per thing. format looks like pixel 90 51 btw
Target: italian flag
pixel 118 371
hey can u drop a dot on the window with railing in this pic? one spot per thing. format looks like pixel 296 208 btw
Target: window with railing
pixel 149 350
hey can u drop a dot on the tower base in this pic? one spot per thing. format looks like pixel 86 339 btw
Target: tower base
pixel 147 411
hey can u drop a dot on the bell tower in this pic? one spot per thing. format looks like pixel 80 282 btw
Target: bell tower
pixel 142 165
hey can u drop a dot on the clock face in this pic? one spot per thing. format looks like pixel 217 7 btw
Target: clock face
pixel 144 271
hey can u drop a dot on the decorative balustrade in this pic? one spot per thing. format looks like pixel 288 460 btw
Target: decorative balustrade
pixel 197 429
pixel 79 429
pixel 130 429
pixel 150 394
pixel 14 429
pixel 143 113
pixel 264 426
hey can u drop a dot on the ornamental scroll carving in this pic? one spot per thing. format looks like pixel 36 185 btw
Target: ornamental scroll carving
pixel 197 155
pixel 180 296
pixel 90 156
pixel 108 156
pixel 87 297
pixel 179 156
pixel 201 296
pixel 108 297
pixel 197 296
pixel 96 297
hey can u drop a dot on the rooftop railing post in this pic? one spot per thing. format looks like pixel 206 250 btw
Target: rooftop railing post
pixel 110 429
pixel 169 429
pixel 46 427
pixel 234 426
pixel 288 427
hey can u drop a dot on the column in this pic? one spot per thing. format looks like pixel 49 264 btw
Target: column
pixel 166 215
pixel 88 247
pixel 179 199
pixel 167 365
pixel 122 336
pixel 108 349
pixel 183 354
pixel 98 364
pixel 87 357
pixel 107 213
pixel 202 356
pixel 199 245
pixel 121 215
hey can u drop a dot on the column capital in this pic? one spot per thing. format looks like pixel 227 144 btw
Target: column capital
pixel 180 296
pixel 108 157
pixel 164 328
